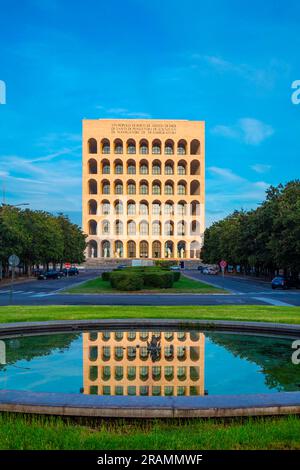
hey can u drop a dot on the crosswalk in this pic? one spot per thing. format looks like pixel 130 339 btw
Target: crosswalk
pixel 27 293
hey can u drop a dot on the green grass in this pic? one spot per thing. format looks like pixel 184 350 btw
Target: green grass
pixel 52 433
pixel 185 284
pixel 220 312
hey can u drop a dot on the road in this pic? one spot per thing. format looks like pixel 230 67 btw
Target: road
pixel 241 292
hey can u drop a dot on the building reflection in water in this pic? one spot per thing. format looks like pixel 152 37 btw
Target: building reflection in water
pixel 143 363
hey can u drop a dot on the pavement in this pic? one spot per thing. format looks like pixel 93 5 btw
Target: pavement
pixel 240 292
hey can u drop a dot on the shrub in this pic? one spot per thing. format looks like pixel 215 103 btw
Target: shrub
pixel 106 276
pixel 125 280
pixel 160 279
pixel 176 275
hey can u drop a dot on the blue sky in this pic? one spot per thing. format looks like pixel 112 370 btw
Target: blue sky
pixel 230 63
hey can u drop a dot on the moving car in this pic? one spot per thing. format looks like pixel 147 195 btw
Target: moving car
pixel 51 274
pixel 212 271
pixel 284 282
pixel 174 268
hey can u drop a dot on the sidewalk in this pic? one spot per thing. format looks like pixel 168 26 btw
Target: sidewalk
pixel 7 281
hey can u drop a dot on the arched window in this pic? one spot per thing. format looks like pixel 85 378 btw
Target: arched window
pixel 118 187
pixel 92 145
pixel 169 188
pixel 105 208
pixel 105 144
pixel 144 167
pixel 131 188
pixel 181 148
pixel 105 187
pixel 195 227
pixel 181 167
pixel 105 249
pixel 181 187
pixel 118 207
pixel 92 227
pixel 156 187
pixel 92 165
pixel 156 147
pixel 144 187
pixel 195 188
pixel 131 148
pixel 195 167
pixel 195 208
pixel 169 249
pixel 169 228
pixel 144 208
pixel 131 227
pixel 156 228
pixel 156 167
pixel 131 169
pixel 105 227
pixel 169 168
pixel 118 146
pixel 144 228
pixel 195 147
pixel 156 208
pixel 92 185
pixel 92 207
pixel 131 249
pixel 181 228
pixel 195 249
pixel 169 208
pixel 181 208
pixel 119 249
pixel 105 167
pixel 118 227
pixel 144 147
pixel 118 167
pixel 156 249
pixel 144 249
pixel 92 249
pixel 131 209
pixel 169 147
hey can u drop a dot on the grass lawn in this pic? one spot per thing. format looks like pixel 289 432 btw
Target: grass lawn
pixel 19 431
pixel 98 286
pixel 52 433
pixel 265 313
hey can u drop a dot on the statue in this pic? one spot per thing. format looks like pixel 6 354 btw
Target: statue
pixel 182 253
pixel 169 252
pixel 105 252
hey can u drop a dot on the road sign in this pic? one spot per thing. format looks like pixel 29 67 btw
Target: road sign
pixel 13 261
pixel 67 265
pixel 223 264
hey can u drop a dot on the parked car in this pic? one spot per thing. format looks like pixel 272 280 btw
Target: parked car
pixel 122 266
pixel 51 274
pixel 174 268
pixel 71 271
pixel 211 271
pixel 200 268
pixel 284 282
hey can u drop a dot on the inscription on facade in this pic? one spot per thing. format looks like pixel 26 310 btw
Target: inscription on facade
pixel 143 128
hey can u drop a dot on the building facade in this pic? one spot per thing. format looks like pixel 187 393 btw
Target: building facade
pixel 144 363
pixel 143 188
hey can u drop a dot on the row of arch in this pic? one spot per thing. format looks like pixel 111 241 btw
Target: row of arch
pixel 143 167
pixel 142 208
pixel 143 249
pixel 143 187
pixel 143 228
pixel 144 147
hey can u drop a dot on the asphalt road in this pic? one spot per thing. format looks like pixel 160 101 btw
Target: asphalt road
pixel 241 292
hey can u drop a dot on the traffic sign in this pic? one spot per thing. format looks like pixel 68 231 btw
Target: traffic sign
pixel 223 264
pixel 67 265
pixel 13 260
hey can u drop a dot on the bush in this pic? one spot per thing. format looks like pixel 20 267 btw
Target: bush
pixel 126 280
pixel 161 279
pixel 176 275
pixel 106 276
pixel 164 264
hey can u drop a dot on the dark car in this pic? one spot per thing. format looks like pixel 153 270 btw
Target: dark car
pixel 283 282
pixel 122 266
pixel 200 268
pixel 70 271
pixel 51 274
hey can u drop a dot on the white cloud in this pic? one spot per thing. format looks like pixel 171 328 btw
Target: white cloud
pixel 260 168
pixel 247 130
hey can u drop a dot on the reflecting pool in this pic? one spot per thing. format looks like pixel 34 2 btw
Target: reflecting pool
pixel 149 363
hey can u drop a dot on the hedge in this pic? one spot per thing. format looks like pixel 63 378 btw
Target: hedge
pixel 106 276
pixel 162 279
pixel 124 280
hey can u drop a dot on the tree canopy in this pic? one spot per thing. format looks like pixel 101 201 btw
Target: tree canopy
pixel 267 238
